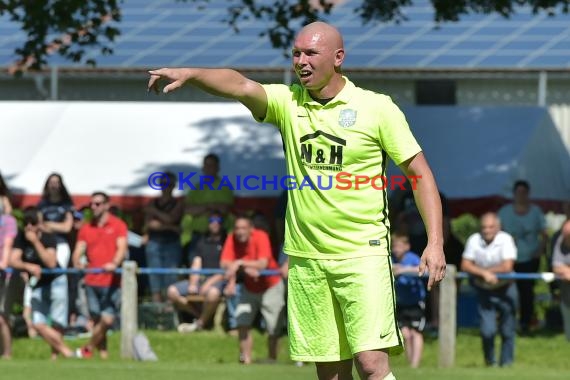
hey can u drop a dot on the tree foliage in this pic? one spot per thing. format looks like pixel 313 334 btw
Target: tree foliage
pixel 68 27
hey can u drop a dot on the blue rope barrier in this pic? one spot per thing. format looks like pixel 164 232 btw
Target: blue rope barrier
pixel 266 272
pixel 143 270
pixel 545 276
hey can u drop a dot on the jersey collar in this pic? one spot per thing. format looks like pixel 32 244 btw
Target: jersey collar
pixel 343 96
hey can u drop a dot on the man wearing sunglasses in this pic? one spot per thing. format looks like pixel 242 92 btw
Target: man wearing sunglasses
pixel 104 243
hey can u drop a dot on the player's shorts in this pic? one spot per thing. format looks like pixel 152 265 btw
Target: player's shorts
pixel 412 316
pixel 338 308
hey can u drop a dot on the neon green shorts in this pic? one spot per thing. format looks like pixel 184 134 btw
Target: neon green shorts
pixel 337 308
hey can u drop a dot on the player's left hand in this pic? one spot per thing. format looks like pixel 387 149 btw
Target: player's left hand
pixel 433 262
pixel 175 78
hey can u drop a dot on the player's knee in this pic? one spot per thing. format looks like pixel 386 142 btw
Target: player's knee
pixel 372 364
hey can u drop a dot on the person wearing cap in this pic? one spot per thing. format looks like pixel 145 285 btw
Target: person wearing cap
pixel 210 286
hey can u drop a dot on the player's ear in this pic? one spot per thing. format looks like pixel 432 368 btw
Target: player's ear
pixel 338 57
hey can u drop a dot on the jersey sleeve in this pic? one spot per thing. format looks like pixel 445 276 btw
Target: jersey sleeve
pixel 395 135
pixel 277 106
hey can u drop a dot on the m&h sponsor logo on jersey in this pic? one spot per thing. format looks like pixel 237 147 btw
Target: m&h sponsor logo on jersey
pixel 347 118
pixel 322 151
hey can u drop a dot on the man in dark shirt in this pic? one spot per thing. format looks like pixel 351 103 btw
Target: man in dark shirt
pixel 205 256
pixel 34 251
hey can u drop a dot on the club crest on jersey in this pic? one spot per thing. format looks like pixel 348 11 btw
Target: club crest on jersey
pixel 347 118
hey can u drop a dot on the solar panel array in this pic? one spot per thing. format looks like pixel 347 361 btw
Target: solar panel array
pixel 172 33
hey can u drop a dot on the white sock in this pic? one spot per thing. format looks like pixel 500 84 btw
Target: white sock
pixel 390 376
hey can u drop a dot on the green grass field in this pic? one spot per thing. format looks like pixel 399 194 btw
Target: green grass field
pixel 213 355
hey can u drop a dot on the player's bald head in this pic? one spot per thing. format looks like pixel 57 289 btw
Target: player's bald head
pixel 326 35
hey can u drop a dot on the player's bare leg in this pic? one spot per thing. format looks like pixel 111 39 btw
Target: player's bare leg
pixel 341 370
pixel 372 365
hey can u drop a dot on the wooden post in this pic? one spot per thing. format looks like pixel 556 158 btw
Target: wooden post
pixel 448 318
pixel 129 308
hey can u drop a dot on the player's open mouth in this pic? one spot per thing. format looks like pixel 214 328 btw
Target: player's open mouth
pixel 304 74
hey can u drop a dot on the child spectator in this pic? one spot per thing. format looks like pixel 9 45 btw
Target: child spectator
pixel 410 297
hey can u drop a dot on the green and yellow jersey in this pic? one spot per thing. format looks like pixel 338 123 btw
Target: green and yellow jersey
pixel 327 146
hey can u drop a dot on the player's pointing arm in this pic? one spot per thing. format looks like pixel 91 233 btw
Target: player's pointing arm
pixel 226 83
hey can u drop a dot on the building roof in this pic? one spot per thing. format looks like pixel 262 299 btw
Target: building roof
pixel 172 33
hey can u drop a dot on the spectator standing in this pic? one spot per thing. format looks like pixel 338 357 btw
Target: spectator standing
pixel 57 210
pixel 162 226
pixel 104 242
pixel 8 232
pixel 207 196
pixel 5 196
pixel 525 222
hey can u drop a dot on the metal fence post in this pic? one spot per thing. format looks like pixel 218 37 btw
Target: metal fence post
pixel 129 308
pixel 448 318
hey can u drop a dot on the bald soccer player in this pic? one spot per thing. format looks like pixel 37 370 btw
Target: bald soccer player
pixel 341 304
